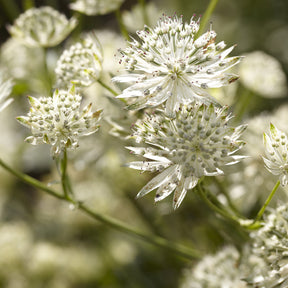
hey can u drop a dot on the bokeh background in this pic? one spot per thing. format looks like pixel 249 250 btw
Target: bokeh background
pixel 46 243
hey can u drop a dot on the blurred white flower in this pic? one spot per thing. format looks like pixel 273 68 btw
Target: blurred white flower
pixel 42 27
pixel 96 7
pixel 6 86
pixel 216 271
pixel 134 18
pixel 169 65
pixel 58 121
pixel 196 143
pixel 81 64
pixel 263 74
pixel 276 151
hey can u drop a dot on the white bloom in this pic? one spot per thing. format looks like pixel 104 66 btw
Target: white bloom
pixel 96 7
pixel 270 244
pixel 6 86
pixel 169 65
pixel 44 27
pixel 196 143
pixel 263 74
pixel 216 271
pixel 58 121
pixel 276 149
pixel 81 64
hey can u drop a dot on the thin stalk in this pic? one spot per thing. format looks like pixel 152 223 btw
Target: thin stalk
pixel 220 211
pixel 142 3
pixel 63 171
pixel 269 198
pixel 28 4
pixel 107 87
pixel 109 221
pixel 122 27
pixel 206 16
pixel 31 181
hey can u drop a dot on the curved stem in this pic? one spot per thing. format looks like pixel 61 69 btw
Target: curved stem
pixel 206 16
pixel 122 27
pixel 220 211
pixel 107 87
pixel 109 221
pixel 269 198
pixel 63 172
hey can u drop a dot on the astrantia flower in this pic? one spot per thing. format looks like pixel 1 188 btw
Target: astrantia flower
pixel 44 27
pixel 169 65
pixel 81 64
pixel 276 150
pixel 216 271
pixel 6 86
pixel 263 74
pixel 196 143
pixel 58 120
pixel 270 244
pixel 96 7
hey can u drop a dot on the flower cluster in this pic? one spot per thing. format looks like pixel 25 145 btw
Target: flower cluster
pixel 96 7
pixel 81 64
pixel 276 160
pixel 44 27
pixel 170 65
pixel 196 143
pixel 270 244
pixel 58 121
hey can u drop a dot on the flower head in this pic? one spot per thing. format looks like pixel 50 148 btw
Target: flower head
pixel 81 64
pixel 170 65
pixel 96 7
pixel 270 244
pixel 58 121
pixel 263 74
pixel 196 143
pixel 44 27
pixel 276 151
pixel 216 271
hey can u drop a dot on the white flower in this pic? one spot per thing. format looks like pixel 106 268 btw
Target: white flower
pixel 96 7
pixel 216 271
pixel 263 74
pixel 81 64
pixel 169 65
pixel 44 27
pixel 196 143
pixel 276 149
pixel 270 244
pixel 58 121
pixel 6 86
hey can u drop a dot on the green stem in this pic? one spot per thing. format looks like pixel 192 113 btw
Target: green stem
pixel 220 211
pixel 206 16
pixel 260 213
pixel 31 181
pixel 63 171
pixel 10 9
pixel 109 221
pixel 107 87
pixel 142 3
pixel 122 27
pixel 28 4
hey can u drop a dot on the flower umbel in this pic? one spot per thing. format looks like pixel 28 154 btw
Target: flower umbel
pixel 96 7
pixel 81 64
pixel 276 161
pixel 169 65
pixel 58 121
pixel 196 143
pixel 42 27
